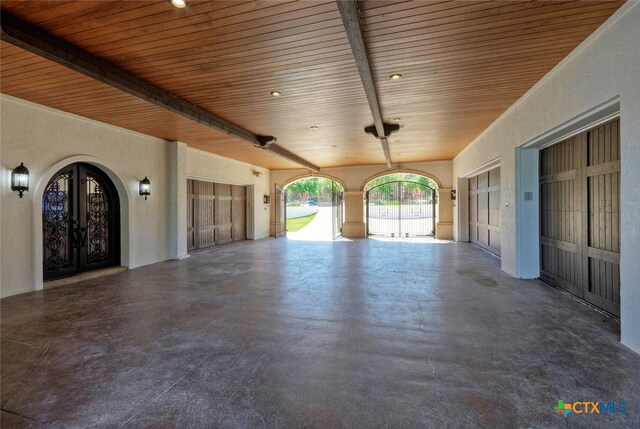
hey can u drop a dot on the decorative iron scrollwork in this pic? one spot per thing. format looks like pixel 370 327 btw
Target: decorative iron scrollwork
pixel 401 209
pixel 80 225
pixel 56 219
pixel 97 222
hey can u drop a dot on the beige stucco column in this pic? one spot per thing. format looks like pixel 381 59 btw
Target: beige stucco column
pixel 354 226
pixel 444 227
pixel 178 197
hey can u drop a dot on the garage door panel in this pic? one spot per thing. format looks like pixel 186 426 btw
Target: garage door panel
pixel 483 236
pixel 560 264
pixel 494 208
pixel 206 215
pixel 615 212
pixel 224 234
pixel 557 204
pixel 473 183
pixel 604 285
pixel 484 210
pixel 223 210
pixel 494 239
pixel 206 237
pixel 494 177
pixel 603 212
pixel 210 214
pixel 579 205
pixel 239 211
pixel 483 180
pixel 473 209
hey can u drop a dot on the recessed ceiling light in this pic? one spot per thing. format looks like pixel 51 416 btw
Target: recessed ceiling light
pixel 276 93
pixel 313 128
pixel 396 76
pixel 397 119
pixel 180 4
pixel 333 145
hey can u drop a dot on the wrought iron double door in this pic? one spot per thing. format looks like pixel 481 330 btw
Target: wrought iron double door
pixel 80 221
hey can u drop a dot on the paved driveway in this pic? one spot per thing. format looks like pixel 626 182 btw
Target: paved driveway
pixel 319 229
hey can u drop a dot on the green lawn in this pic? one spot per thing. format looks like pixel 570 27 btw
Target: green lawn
pixel 294 225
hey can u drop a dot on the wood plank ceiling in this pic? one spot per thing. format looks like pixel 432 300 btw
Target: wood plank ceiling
pixel 463 64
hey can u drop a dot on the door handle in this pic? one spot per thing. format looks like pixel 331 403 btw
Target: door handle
pixel 80 237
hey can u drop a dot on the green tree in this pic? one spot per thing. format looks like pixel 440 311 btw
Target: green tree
pixel 310 188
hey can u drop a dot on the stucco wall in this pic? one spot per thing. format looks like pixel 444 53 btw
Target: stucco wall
pixel 41 138
pixel 354 178
pixel 45 139
pixel 606 66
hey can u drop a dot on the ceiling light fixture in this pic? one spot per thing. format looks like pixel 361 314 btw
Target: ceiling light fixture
pixel 397 119
pixel 313 128
pixel 396 76
pixel 180 4
pixel 276 93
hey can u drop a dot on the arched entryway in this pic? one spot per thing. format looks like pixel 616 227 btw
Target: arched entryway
pixel 314 208
pixel 80 222
pixel 401 205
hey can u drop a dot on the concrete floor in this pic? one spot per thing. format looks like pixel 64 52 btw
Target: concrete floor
pixel 288 334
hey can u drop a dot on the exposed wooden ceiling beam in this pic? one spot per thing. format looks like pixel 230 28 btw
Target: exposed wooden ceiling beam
pixel 44 44
pixel 279 150
pixel 350 19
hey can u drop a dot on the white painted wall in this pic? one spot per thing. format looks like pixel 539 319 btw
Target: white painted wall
pixel 213 168
pixel 42 138
pixel 604 67
pixel 46 139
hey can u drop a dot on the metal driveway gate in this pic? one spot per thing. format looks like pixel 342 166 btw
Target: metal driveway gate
pixel 401 209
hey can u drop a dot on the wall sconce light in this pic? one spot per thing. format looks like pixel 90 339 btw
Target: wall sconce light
pixel 453 195
pixel 145 187
pixel 257 173
pixel 266 199
pixel 20 179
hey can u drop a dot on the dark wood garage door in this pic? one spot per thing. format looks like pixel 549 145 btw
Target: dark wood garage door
pixel 216 214
pixel 580 213
pixel 484 210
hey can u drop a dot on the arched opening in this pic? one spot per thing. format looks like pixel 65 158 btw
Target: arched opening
pixel 314 209
pixel 401 205
pixel 80 222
